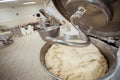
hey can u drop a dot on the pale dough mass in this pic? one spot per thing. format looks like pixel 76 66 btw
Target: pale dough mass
pixel 73 63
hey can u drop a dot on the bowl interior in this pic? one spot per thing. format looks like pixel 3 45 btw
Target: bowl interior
pixel 103 47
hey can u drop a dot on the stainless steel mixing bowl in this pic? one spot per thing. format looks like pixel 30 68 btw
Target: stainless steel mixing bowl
pixel 106 50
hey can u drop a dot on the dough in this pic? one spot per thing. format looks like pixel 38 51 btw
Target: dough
pixel 73 63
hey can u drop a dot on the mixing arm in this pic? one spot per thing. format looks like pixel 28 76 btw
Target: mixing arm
pixel 66 40
pixel 78 14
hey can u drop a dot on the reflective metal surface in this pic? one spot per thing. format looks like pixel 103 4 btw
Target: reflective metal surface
pixel 78 14
pixel 100 20
pixel 51 33
pixel 102 15
pixel 70 41
pixel 107 51
pixel 50 18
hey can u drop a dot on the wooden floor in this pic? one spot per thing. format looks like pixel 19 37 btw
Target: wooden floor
pixel 20 60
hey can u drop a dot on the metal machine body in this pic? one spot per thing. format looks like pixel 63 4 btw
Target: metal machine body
pixel 99 19
pixel 103 16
